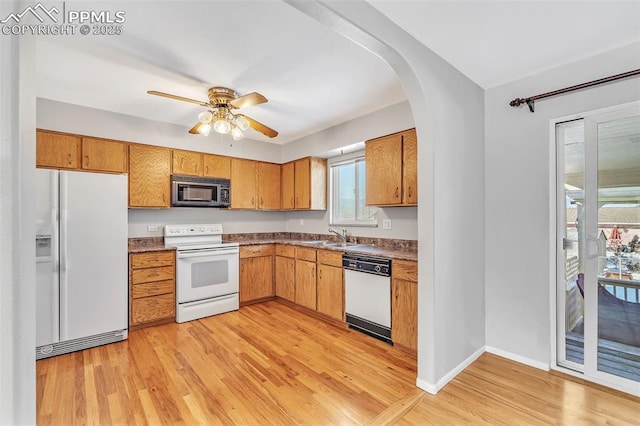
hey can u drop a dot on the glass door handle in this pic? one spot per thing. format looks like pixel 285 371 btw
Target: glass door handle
pixel 567 243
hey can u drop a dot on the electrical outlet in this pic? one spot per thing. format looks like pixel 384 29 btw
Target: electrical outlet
pixel 152 228
pixel 386 223
pixel 301 222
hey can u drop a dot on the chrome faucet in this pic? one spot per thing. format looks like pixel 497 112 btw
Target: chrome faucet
pixel 342 233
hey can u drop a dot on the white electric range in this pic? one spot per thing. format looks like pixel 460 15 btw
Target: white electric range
pixel 207 275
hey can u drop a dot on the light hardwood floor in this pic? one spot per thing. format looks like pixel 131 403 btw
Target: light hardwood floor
pixel 271 364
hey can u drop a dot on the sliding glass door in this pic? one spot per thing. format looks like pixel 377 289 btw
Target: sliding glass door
pixel 598 279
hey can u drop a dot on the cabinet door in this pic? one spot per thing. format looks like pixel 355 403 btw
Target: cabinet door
pixel 149 174
pixel 285 277
pixel 256 278
pixel 217 166
pixel 330 291
pixel 243 184
pixel 404 313
pixel 302 184
pixel 56 150
pixel 306 284
pixel 186 163
pixel 268 186
pixel 104 155
pixel 288 185
pixel 383 158
pixel 409 167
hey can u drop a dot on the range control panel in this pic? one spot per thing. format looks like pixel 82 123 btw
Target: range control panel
pixel 193 230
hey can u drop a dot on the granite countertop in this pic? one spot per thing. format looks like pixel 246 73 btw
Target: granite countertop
pixel 401 250
pixel 143 245
pixel 370 249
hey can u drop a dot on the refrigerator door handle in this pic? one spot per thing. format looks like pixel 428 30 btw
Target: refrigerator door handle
pixel 64 285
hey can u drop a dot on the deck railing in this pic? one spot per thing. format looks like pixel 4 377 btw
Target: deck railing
pixel 628 290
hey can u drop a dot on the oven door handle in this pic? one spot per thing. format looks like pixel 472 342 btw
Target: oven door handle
pixel 206 253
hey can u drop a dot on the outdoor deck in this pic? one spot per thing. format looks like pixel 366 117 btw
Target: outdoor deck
pixel 614 358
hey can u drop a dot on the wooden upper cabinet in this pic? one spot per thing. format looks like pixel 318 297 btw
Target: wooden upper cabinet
pixel 104 155
pixel 391 170
pixel 409 167
pixel 186 163
pixel 243 184
pixel 310 184
pixel 268 186
pixel 217 166
pixel 64 151
pixel 149 176
pixel 58 150
pixel 288 186
pixel 383 157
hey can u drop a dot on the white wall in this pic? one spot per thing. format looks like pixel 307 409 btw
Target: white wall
pixel 448 112
pixel 520 186
pixel 17 227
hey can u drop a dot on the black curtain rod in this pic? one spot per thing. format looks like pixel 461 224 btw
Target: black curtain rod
pixel 530 101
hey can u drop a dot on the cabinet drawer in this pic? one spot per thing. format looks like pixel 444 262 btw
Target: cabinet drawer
pixel 152 289
pixel 285 250
pixel 329 257
pixel 152 274
pixel 256 251
pixel 405 270
pixel 152 308
pixel 304 253
pixel 152 259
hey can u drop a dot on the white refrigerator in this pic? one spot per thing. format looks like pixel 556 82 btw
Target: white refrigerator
pixel 81 261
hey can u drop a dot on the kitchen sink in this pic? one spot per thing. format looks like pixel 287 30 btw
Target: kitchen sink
pixel 313 242
pixel 340 244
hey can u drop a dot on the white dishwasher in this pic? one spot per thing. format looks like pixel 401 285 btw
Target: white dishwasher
pixel 367 282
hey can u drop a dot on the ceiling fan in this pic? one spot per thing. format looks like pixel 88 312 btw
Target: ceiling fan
pixel 219 115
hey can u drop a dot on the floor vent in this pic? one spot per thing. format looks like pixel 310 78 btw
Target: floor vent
pixel 59 348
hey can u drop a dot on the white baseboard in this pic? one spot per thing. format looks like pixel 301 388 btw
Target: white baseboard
pixel 433 389
pixel 518 358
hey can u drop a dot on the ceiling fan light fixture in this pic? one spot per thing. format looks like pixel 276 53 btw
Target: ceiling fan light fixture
pixel 236 133
pixel 205 117
pixel 222 126
pixel 204 129
pixel 242 123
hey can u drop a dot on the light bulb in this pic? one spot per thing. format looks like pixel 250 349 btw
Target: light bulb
pixel 221 125
pixel 205 117
pixel 204 129
pixel 242 123
pixel 236 133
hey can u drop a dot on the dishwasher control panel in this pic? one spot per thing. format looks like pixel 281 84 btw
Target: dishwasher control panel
pixel 367 264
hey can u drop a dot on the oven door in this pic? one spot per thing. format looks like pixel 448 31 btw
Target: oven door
pixel 207 273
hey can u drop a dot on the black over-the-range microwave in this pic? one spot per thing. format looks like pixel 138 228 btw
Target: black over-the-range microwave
pixel 190 191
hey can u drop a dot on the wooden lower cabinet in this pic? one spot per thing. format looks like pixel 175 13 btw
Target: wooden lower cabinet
pixel 152 288
pixel 404 304
pixel 306 284
pixel 256 273
pixel 330 288
pixel 285 272
pixel 330 291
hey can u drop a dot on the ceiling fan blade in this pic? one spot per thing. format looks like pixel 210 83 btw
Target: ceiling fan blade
pixel 253 98
pixel 179 98
pixel 255 125
pixel 194 129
